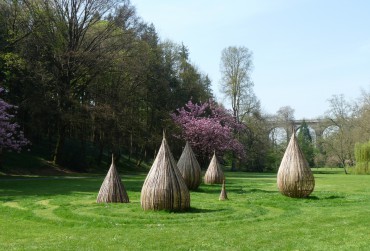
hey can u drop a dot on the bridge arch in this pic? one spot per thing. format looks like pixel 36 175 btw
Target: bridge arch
pixel 317 127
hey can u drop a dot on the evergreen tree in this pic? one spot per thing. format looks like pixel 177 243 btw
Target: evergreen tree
pixel 305 142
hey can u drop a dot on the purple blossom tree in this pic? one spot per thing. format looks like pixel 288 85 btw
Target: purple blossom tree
pixel 11 138
pixel 209 127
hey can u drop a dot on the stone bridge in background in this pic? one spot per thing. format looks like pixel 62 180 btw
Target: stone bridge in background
pixel 317 126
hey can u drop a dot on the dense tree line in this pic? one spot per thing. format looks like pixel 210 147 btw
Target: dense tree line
pixel 92 72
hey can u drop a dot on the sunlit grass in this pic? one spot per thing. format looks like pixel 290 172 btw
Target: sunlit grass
pixel 60 213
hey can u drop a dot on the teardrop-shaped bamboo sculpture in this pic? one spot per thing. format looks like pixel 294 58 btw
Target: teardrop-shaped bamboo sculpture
pixel 214 173
pixel 112 189
pixel 223 194
pixel 295 178
pixel 164 188
pixel 189 168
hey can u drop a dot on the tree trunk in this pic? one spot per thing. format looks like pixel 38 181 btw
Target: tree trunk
pixel 233 164
pixel 141 156
pixel 1 158
pixel 345 170
pixel 131 143
pixel 100 155
pixel 343 163
pixel 58 152
pixel 138 162
pixel 83 160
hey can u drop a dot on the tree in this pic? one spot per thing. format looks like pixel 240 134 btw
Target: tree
pixel 285 116
pixel 236 67
pixel 279 135
pixel 256 142
pixel 208 128
pixel 305 142
pixel 186 81
pixel 340 143
pixel 123 105
pixel 362 155
pixel 68 51
pixel 362 131
pixel 11 138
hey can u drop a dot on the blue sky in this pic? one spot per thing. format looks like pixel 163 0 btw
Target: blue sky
pixel 304 51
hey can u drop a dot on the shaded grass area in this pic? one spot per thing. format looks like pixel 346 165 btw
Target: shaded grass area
pixel 60 213
pixel 29 163
pixel 38 161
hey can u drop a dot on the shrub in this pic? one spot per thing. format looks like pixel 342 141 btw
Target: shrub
pixel 362 156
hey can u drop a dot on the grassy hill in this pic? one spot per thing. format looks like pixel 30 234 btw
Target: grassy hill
pixel 37 161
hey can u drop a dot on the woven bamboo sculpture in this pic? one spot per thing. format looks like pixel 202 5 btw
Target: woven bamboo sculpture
pixel 214 173
pixel 294 178
pixel 112 189
pixel 189 168
pixel 223 194
pixel 164 188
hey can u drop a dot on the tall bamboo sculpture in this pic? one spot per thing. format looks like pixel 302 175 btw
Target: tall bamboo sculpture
pixel 294 178
pixel 164 188
pixel 112 189
pixel 189 168
pixel 214 173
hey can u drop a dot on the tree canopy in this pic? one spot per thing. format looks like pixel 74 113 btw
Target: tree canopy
pixel 236 66
pixel 209 128
pixel 92 72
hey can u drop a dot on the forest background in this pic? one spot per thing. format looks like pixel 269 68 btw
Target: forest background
pixel 90 78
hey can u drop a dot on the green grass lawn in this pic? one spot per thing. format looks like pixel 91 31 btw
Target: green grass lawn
pixel 60 213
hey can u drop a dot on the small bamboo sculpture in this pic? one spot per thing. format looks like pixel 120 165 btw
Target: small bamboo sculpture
pixel 294 178
pixel 223 194
pixel 112 189
pixel 164 188
pixel 214 173
pixel 189 168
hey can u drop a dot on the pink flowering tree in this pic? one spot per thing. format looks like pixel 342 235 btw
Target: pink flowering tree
pixel 209 127
pixel 11 138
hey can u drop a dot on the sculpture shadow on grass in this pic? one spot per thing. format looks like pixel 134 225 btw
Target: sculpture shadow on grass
pixel 195 210
pixel 331 197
